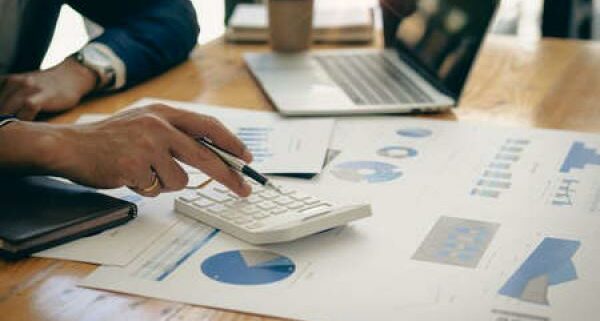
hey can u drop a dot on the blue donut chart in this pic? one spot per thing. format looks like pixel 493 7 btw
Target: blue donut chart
pixel 397 152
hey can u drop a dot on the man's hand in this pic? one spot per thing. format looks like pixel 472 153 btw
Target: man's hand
pixel 132 148
pixel 53 90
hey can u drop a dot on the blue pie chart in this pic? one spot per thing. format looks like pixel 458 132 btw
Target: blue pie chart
pixel 248 267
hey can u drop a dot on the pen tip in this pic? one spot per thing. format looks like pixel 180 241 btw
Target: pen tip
pixel 273 187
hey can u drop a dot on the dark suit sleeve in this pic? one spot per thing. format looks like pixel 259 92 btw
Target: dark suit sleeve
pixel 149 36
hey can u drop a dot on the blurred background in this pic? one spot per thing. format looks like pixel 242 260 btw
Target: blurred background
pixel 527 20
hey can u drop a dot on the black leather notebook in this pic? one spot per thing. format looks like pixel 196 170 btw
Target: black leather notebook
pixel 39 212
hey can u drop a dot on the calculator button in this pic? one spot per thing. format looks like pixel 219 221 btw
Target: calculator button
pixel 250 209
pixel 295 205
pixel 260 215
pixel 188 198
pixel 238 203
pixel 232 195
pixel 254 226
pixel 215 196
pixel 252 199
pixel 279 210
pixel 285 190
pixel 300 196
pixel 221 189
pixel 230 203
pixel 216 208
pixel 269 194
pixel 203 202
pixel 310 201
pixel 283 200
pixel 266 205
pixel 316 209
pixel 256 190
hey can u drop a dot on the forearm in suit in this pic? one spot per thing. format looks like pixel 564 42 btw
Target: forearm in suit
pixel 149 36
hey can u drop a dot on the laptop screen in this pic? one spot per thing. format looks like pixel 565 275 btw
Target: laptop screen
pixel 439 38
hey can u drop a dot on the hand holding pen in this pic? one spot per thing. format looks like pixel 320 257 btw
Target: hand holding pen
pixel 238 164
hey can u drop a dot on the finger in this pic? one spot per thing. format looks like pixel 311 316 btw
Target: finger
pixel 30 107
pixel 172 176
pixel 16 101
pixel 197 125
pixel 147 184
pixel 190 152
pixel 141 179
pixel 7 91
pixel 14 84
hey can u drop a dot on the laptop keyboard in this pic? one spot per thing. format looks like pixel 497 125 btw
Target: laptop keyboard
pixel 371 79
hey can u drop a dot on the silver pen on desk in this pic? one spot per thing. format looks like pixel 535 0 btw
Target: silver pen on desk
pixel 238 164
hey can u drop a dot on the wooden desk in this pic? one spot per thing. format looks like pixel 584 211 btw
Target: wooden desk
pixel 551 84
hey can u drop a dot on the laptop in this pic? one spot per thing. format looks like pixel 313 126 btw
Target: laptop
pixel 429 50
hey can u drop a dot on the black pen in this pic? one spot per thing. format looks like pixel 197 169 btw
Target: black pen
pixel 238 164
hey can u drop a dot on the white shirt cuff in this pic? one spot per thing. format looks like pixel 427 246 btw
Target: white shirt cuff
pixel 117 64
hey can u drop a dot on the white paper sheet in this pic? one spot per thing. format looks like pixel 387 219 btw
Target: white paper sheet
pixel 279 145
pixel 459 211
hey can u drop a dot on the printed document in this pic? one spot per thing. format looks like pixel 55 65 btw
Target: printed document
pixel 469 222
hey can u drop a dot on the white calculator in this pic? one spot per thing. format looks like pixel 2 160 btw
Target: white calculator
pixel 266 216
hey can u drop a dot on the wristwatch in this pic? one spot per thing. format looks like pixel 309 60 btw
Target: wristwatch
pixel 100 63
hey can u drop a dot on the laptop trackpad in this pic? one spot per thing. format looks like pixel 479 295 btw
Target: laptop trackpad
pixel 303 89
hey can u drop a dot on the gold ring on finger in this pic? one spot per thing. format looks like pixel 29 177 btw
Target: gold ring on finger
pixel 155 184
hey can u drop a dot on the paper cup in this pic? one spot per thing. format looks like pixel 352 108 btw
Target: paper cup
pixel 290 25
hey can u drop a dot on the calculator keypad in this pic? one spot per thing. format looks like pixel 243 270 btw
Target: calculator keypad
pixel 254 212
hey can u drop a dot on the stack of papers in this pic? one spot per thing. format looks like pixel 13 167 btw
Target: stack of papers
pixel 470 222
pixel 249 22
